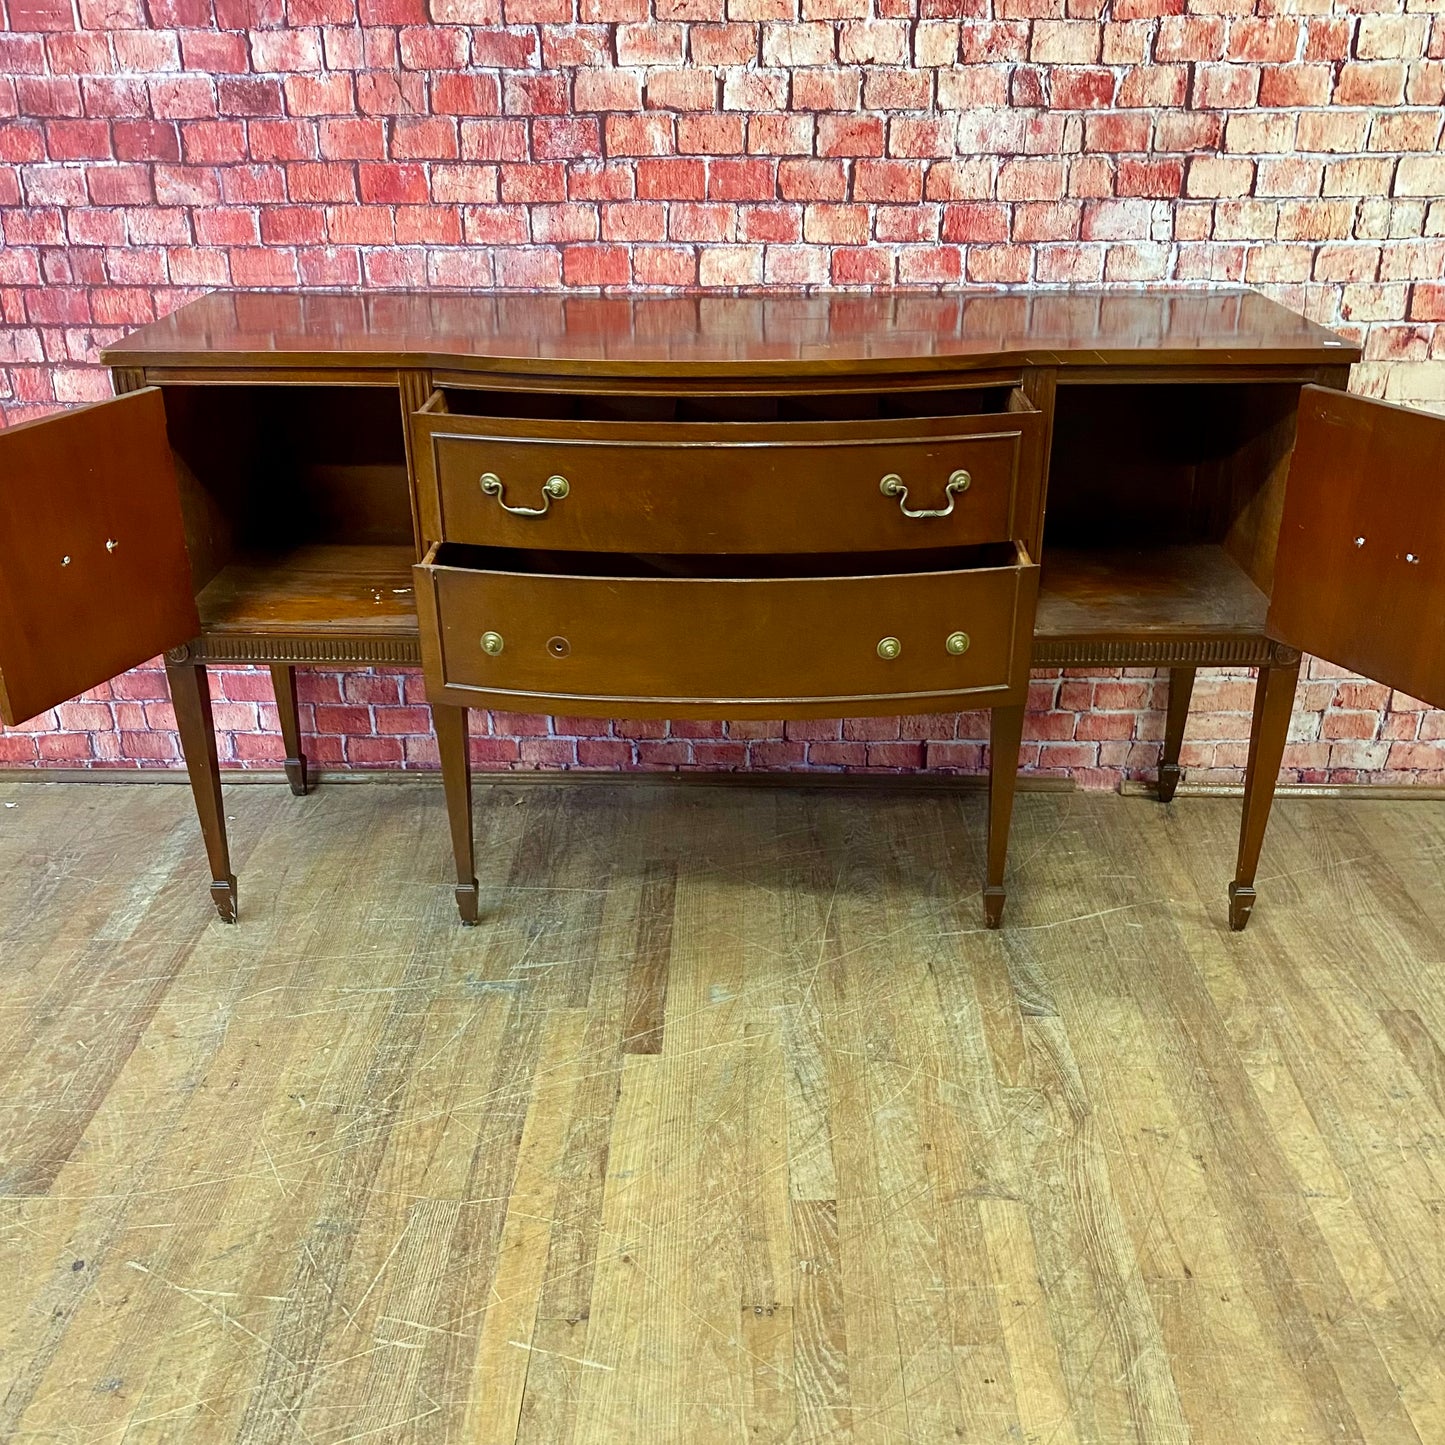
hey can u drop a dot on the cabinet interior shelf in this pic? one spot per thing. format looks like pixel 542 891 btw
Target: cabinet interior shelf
pixel 1187 591
pixel 317 590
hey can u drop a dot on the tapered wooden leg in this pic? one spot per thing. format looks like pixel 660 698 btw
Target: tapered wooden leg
pixel 451 729
pixel 283 679
pixel 191 698
pixel 1181 686
pixel 1273 705
pixel 1006 726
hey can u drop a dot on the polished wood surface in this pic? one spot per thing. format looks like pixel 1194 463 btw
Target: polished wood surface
pixel 732 486
pixel 727 332
pixel 732 1124
pixel 752 429
pixel 94 574
pixel 731 646
pixel 314 591
pixel 1360 577
pixel 1184 591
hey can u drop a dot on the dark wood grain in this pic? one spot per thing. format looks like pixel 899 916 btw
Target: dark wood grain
pixel 649 646
pixel 725 333
pixel 731 486
pixel 314 591
pixel 1360 576
pixel 94 575
pixel 723 548
pixel 1118 592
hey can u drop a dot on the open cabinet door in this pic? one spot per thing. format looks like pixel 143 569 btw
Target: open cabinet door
pixel 1360 573
pixel 94 576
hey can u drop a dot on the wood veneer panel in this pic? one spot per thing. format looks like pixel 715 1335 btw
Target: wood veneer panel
pixel 728 334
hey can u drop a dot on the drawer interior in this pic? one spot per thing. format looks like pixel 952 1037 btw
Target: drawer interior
pixel 536 562
pixel 878 405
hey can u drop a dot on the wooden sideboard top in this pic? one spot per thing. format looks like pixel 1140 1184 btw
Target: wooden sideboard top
pixel 729 333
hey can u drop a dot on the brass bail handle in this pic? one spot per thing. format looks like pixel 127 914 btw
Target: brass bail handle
pixel 892 486
pixel 553 488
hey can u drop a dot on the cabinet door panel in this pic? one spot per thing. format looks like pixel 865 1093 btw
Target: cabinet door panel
pixel 1360 573
pixel 94 576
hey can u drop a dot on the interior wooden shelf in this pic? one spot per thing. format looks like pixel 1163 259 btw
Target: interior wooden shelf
pixel 314 591
pixel 1186 592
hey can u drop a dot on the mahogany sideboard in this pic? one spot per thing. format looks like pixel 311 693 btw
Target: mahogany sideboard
pixel 722 506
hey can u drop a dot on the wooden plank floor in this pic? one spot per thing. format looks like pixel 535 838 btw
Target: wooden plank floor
pixel 730 1123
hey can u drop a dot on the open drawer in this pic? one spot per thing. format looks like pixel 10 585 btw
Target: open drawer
pixel 657 637
pixel 672 483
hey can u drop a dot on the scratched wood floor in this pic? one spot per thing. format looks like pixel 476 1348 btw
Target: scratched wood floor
pixel 730 1124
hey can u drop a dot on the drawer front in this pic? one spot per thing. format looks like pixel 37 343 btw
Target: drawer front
pixel 643 646
pixel 729 487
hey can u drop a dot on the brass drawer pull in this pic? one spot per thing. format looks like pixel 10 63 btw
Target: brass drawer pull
pixel 889 648
pixel 553 487
pixel 956 644
pixel 892 486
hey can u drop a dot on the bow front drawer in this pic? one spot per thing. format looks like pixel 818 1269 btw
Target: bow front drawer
pixel 499 630
pixel 687 486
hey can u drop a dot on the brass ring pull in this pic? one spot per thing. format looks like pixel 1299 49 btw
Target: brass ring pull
pixel 892 486
pixel 553 487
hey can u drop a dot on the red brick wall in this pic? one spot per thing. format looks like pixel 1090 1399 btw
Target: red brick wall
pixel 151 149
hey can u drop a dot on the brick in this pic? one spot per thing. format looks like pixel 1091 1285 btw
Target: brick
pixel 1336 130
pixel 835 225
pixel 651 44
pixel 702 223
pixel 730 266
pixel 1154 87
pixel 608 90
pixel 1225 87
pixel 504 49
pixel 531 183
pixel 1065 42
pixel 847 135
pixel 755 90
pixel 639 135
pixel 812 180
pixel 873 42
pixel 742 180
pixel 804 44
pixel 935 43
pixel 1371 83
pixel 571 221
pixel 1420 176
pixel 978 89
pixel 975 222
pixel 920 138
pixel 424 138
pixel 1295 85
pixel 1161 178
pixel 1218 177
pixel 393 183
pixel 895 89
pixel 910 223
pixel 566 138
pixel 674 179
pixel 780 135
pixel 1391 37
pixel 681 90
pixel 710 134
pixel 775 224
pixel 1274 40
pixel 1117 131
pixel 897 182
pixel 1031 180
